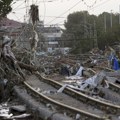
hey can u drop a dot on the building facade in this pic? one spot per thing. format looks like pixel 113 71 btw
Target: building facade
pixel 52 37
pixel 49 37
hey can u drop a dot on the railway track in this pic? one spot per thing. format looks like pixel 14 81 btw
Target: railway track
pixel 106 106
pixel 63 102
pixel 114 87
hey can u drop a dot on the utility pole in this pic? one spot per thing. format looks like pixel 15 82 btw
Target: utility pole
pixel 85 35
pixel 95 43
pixel 90 32
pixel 105 22
pixel 34 15
pixel 119 14
pixel 111 18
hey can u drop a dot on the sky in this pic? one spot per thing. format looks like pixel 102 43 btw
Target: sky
pixel 55 12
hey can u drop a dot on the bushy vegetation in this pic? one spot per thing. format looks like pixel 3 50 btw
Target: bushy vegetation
pixel 5 7
pixel 84 31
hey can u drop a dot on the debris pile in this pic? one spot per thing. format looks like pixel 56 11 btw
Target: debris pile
pixel 14 64
pixel 7 112
pixel 75 73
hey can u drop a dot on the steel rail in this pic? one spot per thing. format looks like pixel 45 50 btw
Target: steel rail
pixel 109 107
pixel 64 106
pixel 114 87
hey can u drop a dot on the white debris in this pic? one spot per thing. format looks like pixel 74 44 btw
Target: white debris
pixel 65 114
pixel 46 92
pixel 74 77
pixel 79 72
pixel 77 117
pixel 21 116
pixel 37 89
pixel 5 81
pixel 90 83
pixel 6 115
pixel 6 39
pixel 62 88
pixel 50 106
pixel 4 111
pixel 94 81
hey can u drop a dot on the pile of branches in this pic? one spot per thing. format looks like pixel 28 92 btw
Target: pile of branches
pixel 14 63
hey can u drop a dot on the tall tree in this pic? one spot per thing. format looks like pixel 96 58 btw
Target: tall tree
pixel 82 28
pixel 5 7
pixel 79 31
pixel 108 29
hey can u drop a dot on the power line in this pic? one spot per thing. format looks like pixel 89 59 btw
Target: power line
pixel 17 17
pixel 21 8
pixel 36 1
pixel 56 17
pixel 95 6
pixel 73 7
pixel 65 12
pixel 19 5
pixel 100 4
pixel 53 16
pixel 89 6
pixel 44 10
pixel 17 13
pixel 58 23
pixel 29 6
pixel 47 1
pixel 13 3
pixel 27 10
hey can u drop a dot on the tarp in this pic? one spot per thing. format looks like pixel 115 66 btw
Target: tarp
pixel 80 71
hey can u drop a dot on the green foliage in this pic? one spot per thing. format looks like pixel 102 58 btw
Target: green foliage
pixel 5 7
pixel 81 30
pixel 112 32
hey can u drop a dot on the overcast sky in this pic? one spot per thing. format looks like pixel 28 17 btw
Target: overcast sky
pixel 56 11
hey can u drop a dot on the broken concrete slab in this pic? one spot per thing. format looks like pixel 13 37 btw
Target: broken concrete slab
pixel 18 108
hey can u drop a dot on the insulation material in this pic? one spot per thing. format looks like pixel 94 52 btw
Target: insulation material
pixel 96 80
pixel 7 52
pixel 80 71
pixel 74 77
pixel 4 111
pixel 62 88
pixel 91 83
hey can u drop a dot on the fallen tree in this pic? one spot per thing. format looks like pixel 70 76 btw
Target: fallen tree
pixel 9 65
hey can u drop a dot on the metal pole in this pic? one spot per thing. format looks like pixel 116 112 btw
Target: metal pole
pixel 95 36
pixel 85 35
pixel 105 22
pixel 111 18
pixel 119 14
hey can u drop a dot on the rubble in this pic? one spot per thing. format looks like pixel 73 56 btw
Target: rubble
pixel 77 117
pixel 16 64
pixel 20 116
pixel 6 113
pixel 19 108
